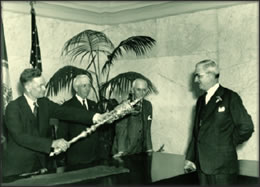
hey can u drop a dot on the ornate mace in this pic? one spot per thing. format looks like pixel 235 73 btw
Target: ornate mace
pixel 119 111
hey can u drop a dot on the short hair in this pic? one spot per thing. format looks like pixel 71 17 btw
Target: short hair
pixel 76 81
pixel 209 66
pixel 28 74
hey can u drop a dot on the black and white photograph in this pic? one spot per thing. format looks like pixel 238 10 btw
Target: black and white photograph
pixel 129 93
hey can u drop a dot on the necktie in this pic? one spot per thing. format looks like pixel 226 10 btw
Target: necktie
pixel 35 109
pixel 202 105
pixel 137 108
pixel 206 98
pixel 84 104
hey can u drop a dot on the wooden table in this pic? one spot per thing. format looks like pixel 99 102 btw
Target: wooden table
pixel 155 169
pixel 133 169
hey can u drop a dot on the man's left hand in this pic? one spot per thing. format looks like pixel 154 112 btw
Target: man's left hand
pixel 149 152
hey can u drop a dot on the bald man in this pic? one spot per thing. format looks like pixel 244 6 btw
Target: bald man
pixel 85 150
pixel 133 132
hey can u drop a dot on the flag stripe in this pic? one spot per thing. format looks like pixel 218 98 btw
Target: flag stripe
pixel 6 86
pixel 3 46
pixel 35 59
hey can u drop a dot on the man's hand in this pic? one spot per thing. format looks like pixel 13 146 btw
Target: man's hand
pixel 149 152
pixel 97 118
pixel 119 154
pixel 189 166
pixel 60 144
pixel 109 116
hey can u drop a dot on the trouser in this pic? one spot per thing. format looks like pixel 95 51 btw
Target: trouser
pixel 218 179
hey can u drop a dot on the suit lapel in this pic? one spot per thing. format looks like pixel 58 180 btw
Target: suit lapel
pixel 76 103
pixel 28 115
pixel 201 102
pixel 145 111
pixel 199 108
pixel 41 116
pixel 91 105
pixel 212 104
pixel 25 107
pixel 209 109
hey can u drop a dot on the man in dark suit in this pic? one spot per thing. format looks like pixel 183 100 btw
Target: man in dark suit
pixel 29 133
pixel 106 133
pixel 133 132
pixel 221 123
pixel 85 150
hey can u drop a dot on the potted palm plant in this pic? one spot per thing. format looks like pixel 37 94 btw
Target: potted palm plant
pixel 91 44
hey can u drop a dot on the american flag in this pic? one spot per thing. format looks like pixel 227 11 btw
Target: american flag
pixel 5 84
pixel 35 59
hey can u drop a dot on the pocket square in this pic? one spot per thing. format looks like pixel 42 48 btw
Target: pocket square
pixel 221 109
pixel 149 117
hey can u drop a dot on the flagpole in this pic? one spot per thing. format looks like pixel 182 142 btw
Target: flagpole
pixel 31 3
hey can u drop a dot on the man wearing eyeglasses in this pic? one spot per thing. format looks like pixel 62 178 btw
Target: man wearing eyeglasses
pixel 221 123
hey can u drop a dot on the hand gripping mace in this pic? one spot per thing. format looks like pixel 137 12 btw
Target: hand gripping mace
pixel 119 111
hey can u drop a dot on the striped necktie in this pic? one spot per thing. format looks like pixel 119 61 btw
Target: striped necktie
pixel 35 109
pixel 85 104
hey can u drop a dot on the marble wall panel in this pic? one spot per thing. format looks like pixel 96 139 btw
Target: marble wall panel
pixel 239 63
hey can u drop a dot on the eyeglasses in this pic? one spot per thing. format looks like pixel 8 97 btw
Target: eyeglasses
pixel 199 75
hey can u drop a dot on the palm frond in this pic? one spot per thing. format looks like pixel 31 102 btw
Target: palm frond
pixel 137 44
pixel 86 42
pixel 122 83
pixel 63 79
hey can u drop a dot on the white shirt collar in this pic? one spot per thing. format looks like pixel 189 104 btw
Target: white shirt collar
pixel 81 100
pixel 211 92
pixel 30 102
